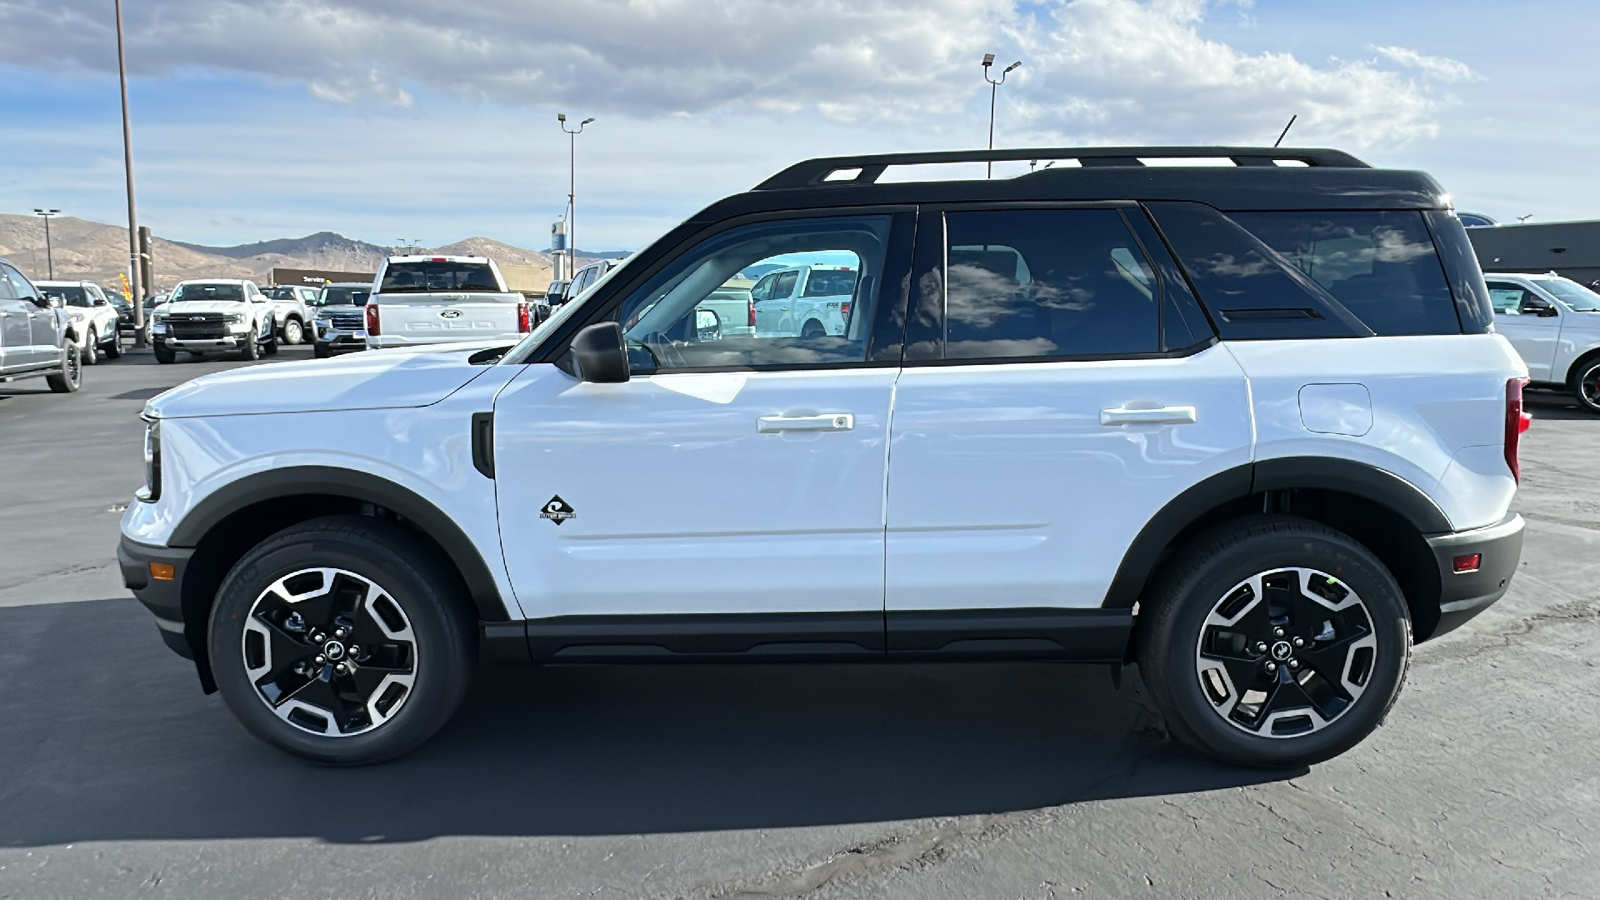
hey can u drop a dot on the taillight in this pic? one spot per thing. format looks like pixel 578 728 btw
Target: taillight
pixel 1517 422
pixel 372 319
pixel 752 312
pixel 844 309
pixel 524 319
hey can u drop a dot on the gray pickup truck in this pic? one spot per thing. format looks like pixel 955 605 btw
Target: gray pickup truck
pixel 34 339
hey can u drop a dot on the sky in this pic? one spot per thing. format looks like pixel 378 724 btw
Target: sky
pixel 431 121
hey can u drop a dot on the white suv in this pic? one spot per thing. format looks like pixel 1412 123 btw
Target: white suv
pixel 91 319
pixel 1247 427
pixel 1554 323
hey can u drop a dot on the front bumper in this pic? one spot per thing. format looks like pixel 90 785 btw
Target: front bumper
pixel 334 339
pixel 199 345
pixel 164 599
pixel 1463 595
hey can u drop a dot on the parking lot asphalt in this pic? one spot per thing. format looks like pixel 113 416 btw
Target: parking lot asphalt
pixel 119 778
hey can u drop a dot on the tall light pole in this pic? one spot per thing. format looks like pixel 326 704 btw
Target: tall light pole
pixel 49 256
pixel 994 88
pixel 572 182
pixel 135 263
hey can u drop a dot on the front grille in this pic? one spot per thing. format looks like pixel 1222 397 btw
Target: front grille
pixel 348 321
pixel 197 326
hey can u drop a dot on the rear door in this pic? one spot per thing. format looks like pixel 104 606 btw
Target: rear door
pixel 1055 396
pixel 41 346
pixel 738 475
pixel 16 334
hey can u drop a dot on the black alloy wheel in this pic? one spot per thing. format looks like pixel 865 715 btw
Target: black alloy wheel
pixel 164 354
pixel 1586 384
pixel 1273 641
pixel 70 378
pixel 346 640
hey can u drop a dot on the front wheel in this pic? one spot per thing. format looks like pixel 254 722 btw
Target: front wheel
pixel 1274 641
pixel 91 349
pixel 1586 384
pixel 164 355
pixel 345 640
pixel 251 351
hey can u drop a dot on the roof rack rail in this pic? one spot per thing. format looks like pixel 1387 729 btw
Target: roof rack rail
pixel 868 169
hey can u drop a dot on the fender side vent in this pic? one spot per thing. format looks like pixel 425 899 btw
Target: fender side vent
pixel 483 443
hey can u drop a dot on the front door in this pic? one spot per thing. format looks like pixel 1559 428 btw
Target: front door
pixel 1517 315
pixel 733 474
pixel 37 345
pixel 1055 402
pixel 16 334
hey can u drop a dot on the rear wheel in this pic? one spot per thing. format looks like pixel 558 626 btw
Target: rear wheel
pixel 813 329
pixel 293 331
pixel 114 345
pixel 345 640
pixel 1274 641
pixel 270 346
pixel 70 378
pixel 1586 384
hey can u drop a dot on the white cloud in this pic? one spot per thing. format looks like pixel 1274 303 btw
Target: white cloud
pixel 1437 67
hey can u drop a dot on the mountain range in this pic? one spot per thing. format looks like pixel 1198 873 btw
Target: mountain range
pixel 94 251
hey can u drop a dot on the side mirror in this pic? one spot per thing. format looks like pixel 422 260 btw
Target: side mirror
pixel 50 301
pixel 1538 306
pixel 599 354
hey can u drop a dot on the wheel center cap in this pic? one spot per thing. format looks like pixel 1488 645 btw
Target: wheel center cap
pixel 335 650
pixel 1282 651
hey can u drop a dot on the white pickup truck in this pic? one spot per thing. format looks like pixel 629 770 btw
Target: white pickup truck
pixel 439 299
pixel 804 301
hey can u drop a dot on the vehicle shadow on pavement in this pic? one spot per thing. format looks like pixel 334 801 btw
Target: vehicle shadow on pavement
pixel 105 735
pixel 1553 405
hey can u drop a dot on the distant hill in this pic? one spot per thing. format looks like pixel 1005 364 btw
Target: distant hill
pixel 94 251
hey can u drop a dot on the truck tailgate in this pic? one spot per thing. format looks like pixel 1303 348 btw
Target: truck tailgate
pixel 435 318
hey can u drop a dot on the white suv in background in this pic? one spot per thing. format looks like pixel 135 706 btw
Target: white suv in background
pixel 91 319
pixel 1554 323
pixel 1248 427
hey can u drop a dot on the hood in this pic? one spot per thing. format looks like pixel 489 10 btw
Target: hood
pixel 200 306
pixel 376 379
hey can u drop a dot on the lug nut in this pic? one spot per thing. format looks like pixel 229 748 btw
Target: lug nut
pixel 1272 667
pixel 1277 632
pixel 321 660
pixel 1261 647
pixel 1294 663
pixel 355 649
pixel 340 632
pixel 1299 642
pixel 340 668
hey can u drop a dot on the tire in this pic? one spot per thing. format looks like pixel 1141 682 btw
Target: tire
pixel 270 348
pixel 251 351
pixel 1586 384
pixel 320 351
pixel 113 347
pixel 70 378
pixel 813 329
pixel 413 672
pixel 91 349
pixel 293 332
pixel 1205 623
pixel 164 355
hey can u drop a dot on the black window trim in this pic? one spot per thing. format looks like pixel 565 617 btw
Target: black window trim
pixel 894 272
pixel 1122 206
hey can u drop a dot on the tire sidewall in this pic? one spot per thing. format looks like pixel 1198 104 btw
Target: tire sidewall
pixel 1215 577
pixel 1577 385
pixel 442 669
pixel 91 348
pixel 293 331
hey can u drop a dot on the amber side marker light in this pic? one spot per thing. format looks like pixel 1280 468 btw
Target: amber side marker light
pixel 1462 564
pixel 167 571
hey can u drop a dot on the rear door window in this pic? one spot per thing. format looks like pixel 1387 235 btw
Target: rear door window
pixel 1045 284
pixel 1381 265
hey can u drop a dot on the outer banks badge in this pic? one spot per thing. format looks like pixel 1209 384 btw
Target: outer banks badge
pixel 558 510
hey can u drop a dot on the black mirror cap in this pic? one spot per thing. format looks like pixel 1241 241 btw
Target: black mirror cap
pixel 599 355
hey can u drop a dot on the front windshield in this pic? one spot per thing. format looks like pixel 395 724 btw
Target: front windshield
pixel 232 293
pixel 1572 294
pixel 563 312
pixel 70 296
pixel 341 295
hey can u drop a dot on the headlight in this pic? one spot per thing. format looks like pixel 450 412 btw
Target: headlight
pixel 322 323
pixel 235 318
pixel 157 317
pixel 152 460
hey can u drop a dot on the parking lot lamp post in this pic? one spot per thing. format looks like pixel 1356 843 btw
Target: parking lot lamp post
pixel 135 264
pixel 50 258
pixel 572 181
pixel 994 88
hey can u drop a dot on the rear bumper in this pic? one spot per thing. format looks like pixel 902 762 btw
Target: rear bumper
pixel 1463 595
pixel 164 598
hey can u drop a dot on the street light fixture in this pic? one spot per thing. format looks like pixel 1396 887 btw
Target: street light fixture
pixel 572 181
pixel 135 262
pixel 994 87
pixel 49 256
